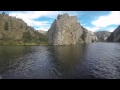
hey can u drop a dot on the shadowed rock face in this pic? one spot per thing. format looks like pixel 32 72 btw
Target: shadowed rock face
pixel 66 30
pixel 88 36
pixel 115 35
pixel 102 35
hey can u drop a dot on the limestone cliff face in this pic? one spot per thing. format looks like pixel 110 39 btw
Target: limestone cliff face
pixel 88 36
pixel 66 30
pixel 115 35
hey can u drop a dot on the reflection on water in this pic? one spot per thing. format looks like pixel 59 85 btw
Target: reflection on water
pixel 85 61
pixel 66 58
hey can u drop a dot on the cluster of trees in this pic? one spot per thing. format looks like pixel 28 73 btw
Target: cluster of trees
pixel 27 37
pixel 5 13
pixel 38 38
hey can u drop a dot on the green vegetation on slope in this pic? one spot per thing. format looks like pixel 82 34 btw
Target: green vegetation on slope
pixel 14 31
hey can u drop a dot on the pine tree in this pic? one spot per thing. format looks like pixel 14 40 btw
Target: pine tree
pixel 3 13
pixel 6 26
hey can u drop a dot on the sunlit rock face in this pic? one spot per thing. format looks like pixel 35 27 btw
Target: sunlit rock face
pixel 66 30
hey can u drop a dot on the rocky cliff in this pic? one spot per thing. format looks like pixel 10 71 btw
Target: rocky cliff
pixel 88 36
pixel 102 35
pixel 15 31
pixel 115 35
pixel 66 30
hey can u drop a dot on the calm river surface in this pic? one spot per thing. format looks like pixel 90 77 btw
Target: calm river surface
pixel 85 61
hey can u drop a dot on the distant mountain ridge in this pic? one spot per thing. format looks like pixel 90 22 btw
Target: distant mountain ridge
pixel 102 35
pixel 42 32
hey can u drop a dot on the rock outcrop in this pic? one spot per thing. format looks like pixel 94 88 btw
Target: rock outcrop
pixel 102 35
pixel 88 36
pixel 66 30
pixel 115 35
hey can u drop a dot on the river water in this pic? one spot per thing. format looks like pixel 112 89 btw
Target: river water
pixel 85 61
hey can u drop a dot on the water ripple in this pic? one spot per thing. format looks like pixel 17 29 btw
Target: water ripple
pixel 85 61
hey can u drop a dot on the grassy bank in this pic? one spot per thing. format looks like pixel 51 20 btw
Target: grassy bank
pixel 23 44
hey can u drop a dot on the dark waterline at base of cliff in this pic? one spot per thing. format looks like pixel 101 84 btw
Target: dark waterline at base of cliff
pixel 84 61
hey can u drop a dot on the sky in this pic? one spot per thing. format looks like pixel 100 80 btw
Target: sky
pixel 91 20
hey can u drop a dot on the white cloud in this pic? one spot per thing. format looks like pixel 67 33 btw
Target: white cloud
pixel 29 16
pixel 93 29
pixel 44 28
pixel 111 29
pixel 102 22
pixel 111 19
pixel 35 14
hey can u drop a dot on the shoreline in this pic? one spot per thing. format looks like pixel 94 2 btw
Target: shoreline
pixel 33 44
